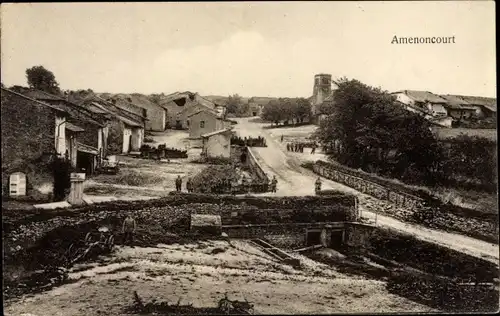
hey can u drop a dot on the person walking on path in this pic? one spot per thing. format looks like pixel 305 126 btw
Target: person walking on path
pixel 178 184
pixel 128 230
pixel 274 184
pixel 317 185
pixel 281 138
pixel 313 150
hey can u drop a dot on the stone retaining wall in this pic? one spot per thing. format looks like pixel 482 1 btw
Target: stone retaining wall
pixel 378 191
pixel 172 213
pixel 255 166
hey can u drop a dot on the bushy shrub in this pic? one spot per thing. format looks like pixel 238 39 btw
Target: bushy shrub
pixel 214 177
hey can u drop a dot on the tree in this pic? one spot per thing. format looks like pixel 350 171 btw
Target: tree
pixel 365 129
pixel 235 105
pixel 272 112
pixel 42 79
pixel 286 110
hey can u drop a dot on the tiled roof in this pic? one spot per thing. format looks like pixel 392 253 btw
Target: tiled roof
pixel 207 111
pixel 489 103
pixel 174 96
pixel 423 96
pixel 76 111
pixel 116 114
pixel 455 102
pixel 226 130
pixel 200 106
pixel 54 107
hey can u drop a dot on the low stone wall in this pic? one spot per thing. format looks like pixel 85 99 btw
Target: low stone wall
pixel 172 214
pixel 378 191
pixel 255 167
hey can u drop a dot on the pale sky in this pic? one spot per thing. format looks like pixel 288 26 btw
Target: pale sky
pixel 253 49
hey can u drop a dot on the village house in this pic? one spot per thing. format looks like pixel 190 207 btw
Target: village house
pixel 178 103
pixel 33 132
pixel 217 144
pixel 433 104
pixel 138 104
pixel 458 108
pixel 484 107
pixel 86 154
pixel 205 121
pixel 125 132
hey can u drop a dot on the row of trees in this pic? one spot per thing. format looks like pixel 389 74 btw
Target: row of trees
pixel 365 129
pixel 287 110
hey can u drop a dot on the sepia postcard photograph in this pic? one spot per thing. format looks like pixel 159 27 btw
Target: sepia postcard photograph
pixel 240 158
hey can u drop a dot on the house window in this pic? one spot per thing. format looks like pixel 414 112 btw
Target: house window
pixel 202 124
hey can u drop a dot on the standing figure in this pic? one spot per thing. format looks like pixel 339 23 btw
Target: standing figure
pixel 313 150
pixel 281 138
pixel 189 185
pixel 178 184
pixel 274 184
pixel 317 185
pixel 128 230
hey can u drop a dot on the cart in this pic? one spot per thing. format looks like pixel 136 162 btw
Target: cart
pixel 103 241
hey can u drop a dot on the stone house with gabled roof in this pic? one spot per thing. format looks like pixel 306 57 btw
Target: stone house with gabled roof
pixel 33 132
pixel 205 121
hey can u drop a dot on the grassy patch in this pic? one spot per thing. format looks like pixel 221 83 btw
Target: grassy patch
pixel 134 178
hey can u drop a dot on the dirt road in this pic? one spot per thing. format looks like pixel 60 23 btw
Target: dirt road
pixel 295 180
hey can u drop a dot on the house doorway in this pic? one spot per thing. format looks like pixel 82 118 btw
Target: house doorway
pixel 336 239
pixel 178 124
pixel 85 162
pixel 313 237
pixel 254 113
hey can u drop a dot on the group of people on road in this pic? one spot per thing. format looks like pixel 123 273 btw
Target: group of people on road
pixel 178 184
pixel 299 147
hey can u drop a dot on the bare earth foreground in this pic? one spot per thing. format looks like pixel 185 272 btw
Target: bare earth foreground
pixel 193 274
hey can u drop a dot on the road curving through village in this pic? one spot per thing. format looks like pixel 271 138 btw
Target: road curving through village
pixel 294 180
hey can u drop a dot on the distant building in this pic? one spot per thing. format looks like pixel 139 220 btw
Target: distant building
pixel 217 144
pixel 187 112
pixel 257 104
pixel 484 107
pixel 140 104
pixel 125 130
pixel 458 108
pixel 425 100
pixel 177 104
pixel 322 89
pixel 205 121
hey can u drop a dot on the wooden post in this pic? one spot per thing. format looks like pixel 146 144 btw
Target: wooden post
pixel 76 193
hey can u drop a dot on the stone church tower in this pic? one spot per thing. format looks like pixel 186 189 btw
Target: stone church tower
pixel 322 89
